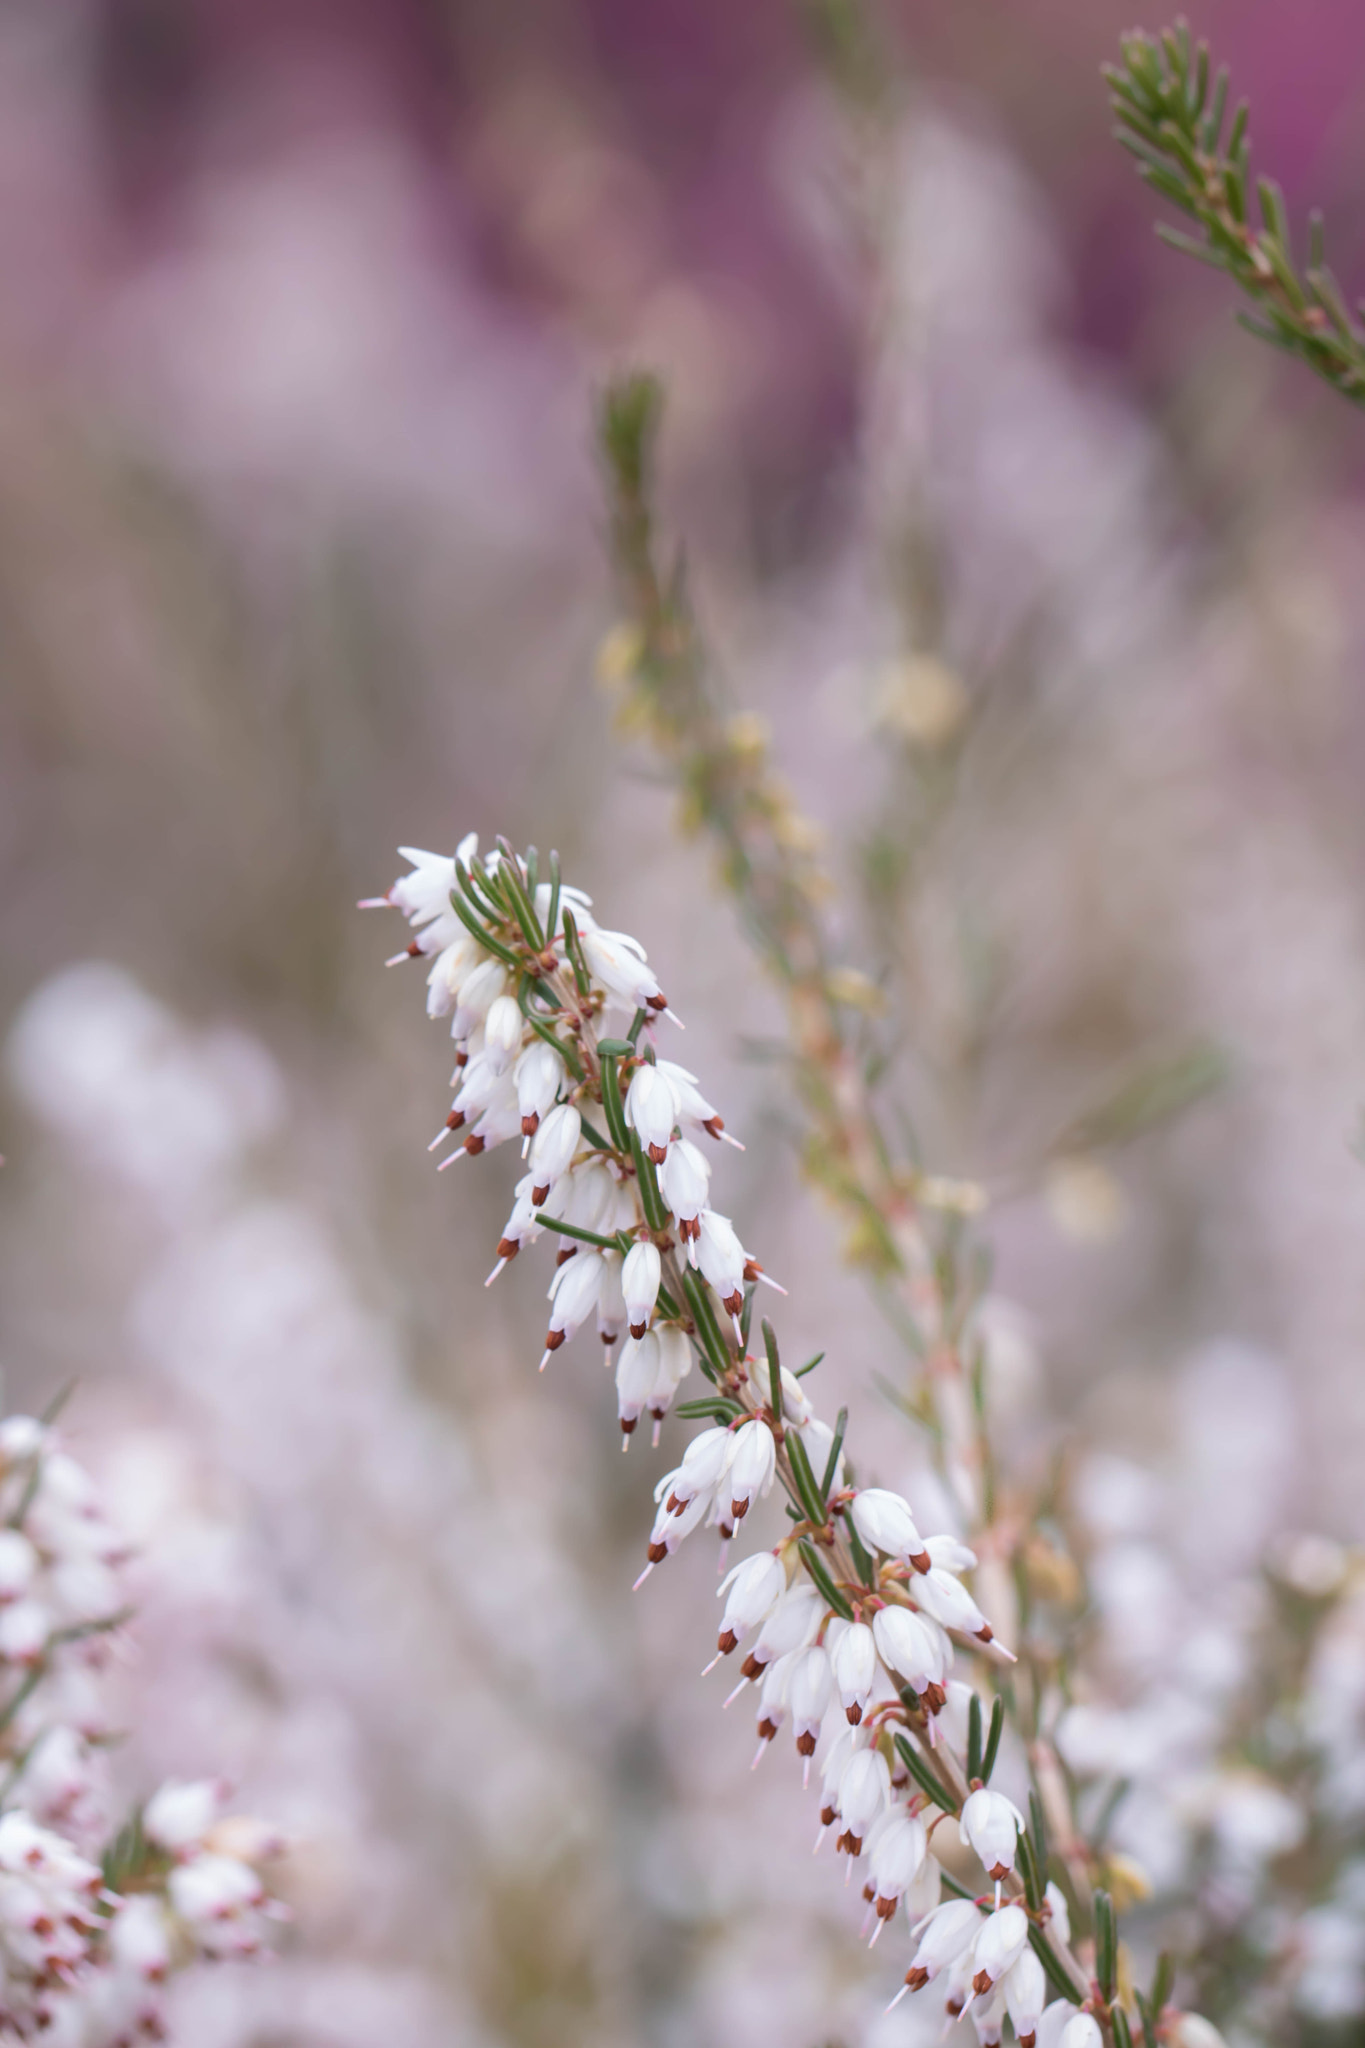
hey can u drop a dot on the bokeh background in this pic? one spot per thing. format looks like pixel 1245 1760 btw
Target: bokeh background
pixel 1047 580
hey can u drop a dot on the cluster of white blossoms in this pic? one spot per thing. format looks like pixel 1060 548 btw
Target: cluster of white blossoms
pixel 91 1927
pixel 848 1629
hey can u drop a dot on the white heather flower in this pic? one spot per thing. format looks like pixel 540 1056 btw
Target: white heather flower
pixel 520 1228
pixel 451 968
pixel 539 1076
pixel 502 1031
pixel 652 1110
pixel 1081 2032
pixel 948 1600
pixel 552 1150
pixel 574 1292
pixel 139 1938
pixel 693 1107
pixel 947 1934
pixel 18 1564
pixel 832 1752
pixel 912 1645
pixel 671 1525
pixel 1026 1996
pixel 179 1815
pixel 955 1714
pixel 790 1626
pixel 864 1790
pixel 774 1691
pixel 718 1252
pixel 637 1371
pixel 704 1465
pixel 950 1554
pixel 569 899
pixel 684 1180
pixel 640 1277
pixel 895 1858
pixel 999 1945
pixel 478 992
pixel 753 1588
pixel 217 1898
pixel 425 893
pixel 809 1695
pixel 58 1778
pixel 991 1825
pixel 854 1659
pixel 1061 1912
pixel 884 1522
pixel 618 963
pixel 611 1302
pixel 586 1196
pixel 795 1407
pixel 752 1465
pixel 675 1355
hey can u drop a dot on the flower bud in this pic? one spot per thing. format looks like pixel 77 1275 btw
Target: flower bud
pixel 991 1825
pixel 652 1110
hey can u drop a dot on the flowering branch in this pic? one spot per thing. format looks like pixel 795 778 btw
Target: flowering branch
pixel 1172 113
pixel 855 1618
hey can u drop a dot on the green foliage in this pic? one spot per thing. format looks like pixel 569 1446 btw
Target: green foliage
pixel 1172 115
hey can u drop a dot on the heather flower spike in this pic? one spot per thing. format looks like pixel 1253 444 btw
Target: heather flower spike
pixel 850 1621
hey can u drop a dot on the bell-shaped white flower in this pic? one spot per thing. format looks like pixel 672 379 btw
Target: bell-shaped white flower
pixel 864 1791
pixel 991 1825
pixel 948 1600
pixel 1081 2032
pixel 652 1110
pixel 773 1696
pixel 18 1564
pixel 684 1179
pixel 812 1687
pixel 854 1658
pixel 640 1277
pixel 796 1408
pixel 717 1251
pixel 790 1626
pixel 752 1465
pixel 705 1464
pixel 425 893
pixel 818 1438
pixel 896 1856
pixel 672 1525
pixel 1026 1996
pixel 478 992
pixel 24 1629
pixel 947 1934
pixel 675 1355
pixel 574 1291
pixel 884 1522
pixel 950 1554
pixel 502 1031
pixel 452 966
pixel 611 1302
pixel 1055 1898
pixel 179 1814
pixel 752 1588
pixel 553 1148
pixel 618 964
pixel 999 1945
pixel 912 1646
pixel 139 1938
pixel 637 1370
pixel 539 1076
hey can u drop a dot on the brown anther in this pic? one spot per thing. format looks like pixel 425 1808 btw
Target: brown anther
pixel 985 1634
pixel 455 1119
pixel 553 1339
pixel 530 1124
pixel 715 1125
pixel 628 1423
pixel 853 1843
pixel 414 948
pixel 508 1247
pixel 886 1908
pixel 689 1229
pixel 981 1983
pixel 659 1002
pixel 805 1744
pixel 725 1641
pixel 766 1729
pixel 733 1303
pixel 869 1892
pixel 999 1870
pixel 922 1561
pixel 658 1153
pixel 657 1552
pixel 638 1329
pixel 539 1196
pixel 953 2007
pixel 935 1696
pixel 462 1056
pixel 752 1269
pixel 474 1144
pixel 751 1667
pixel 739 1509
pixel 674 1505
pixel 1027 2040
pixel 916 1977
pixel 828 1816
pixel 853 1713
pixel 565 1253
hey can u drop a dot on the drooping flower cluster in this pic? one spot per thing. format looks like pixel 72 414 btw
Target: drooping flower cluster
pixel 90 1929
pixel 851 1624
